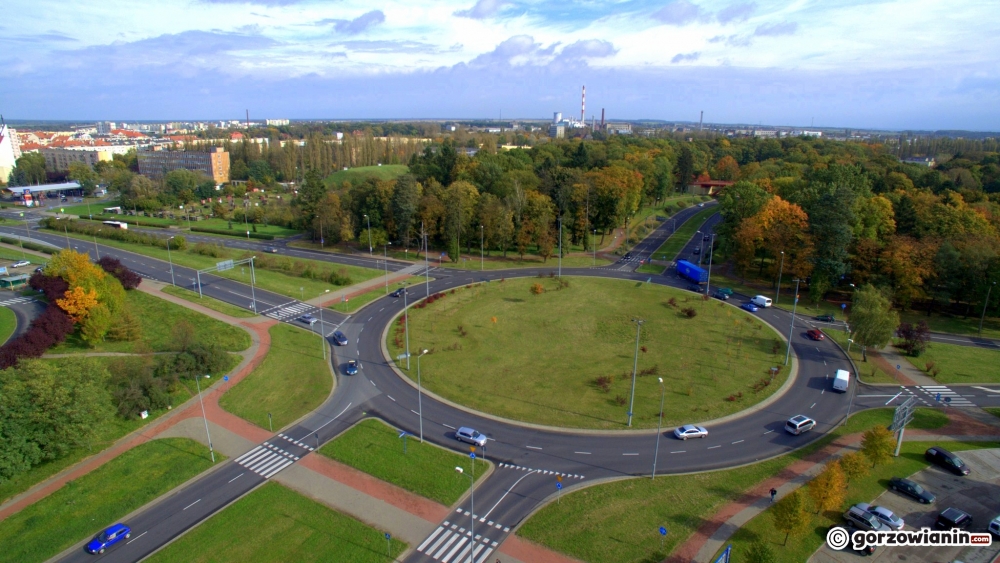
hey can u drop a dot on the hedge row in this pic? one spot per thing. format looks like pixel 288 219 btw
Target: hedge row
pixel 226 232
pixel 29 245
pixel 121 235
pixel 131 221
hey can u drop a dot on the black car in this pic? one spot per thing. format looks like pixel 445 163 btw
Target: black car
pixel 947 460
pixel 398 293
pixel 270 250
pixel 953 518
pixel 706 237
pixel 696 251
pixel 911 489
pixel 696 288
pixel 826 318
pixel 627 256
pixel 720 295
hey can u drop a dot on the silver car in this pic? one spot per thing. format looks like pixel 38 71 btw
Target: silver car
pixel 466 434
pixel 884 515
pixel 690 431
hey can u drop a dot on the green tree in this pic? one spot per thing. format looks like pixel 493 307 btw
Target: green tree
pixel 685 167
pixel 405 200
pixel 872 319
pixel 760 552
pixel 854 465
pixel 84 175
pixel 878 445
pixel 829 488
pixel 790 515
pixel 28 170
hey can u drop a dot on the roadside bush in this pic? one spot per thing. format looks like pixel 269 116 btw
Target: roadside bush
pixel 604 383
pixel 128 278
pixel 121 235
pixel 537 289
pixel 205 249
pixel 915 337
pixel 254 234
pixel 689 312
pixel 29 245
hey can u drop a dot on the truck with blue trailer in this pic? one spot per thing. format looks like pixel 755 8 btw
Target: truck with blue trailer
pixel 690 272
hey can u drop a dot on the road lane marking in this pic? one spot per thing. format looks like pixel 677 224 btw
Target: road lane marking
pixel 533 447
pixel 192 504
pixel 414 412
pixel 135 538
pixel 738 441
pixel 768 432
pixel 713 447
pixel 582 453
pixel 446 426
pixel 235 478
pixel 490 511
pixel 812 405
pixel 390 397
pixel 893 398
pixel 679 452
pixel 630 454
pixel 334 418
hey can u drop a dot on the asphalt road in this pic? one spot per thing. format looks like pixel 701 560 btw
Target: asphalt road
pixel 530 461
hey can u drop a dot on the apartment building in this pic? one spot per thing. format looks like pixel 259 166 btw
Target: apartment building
pixel 155 164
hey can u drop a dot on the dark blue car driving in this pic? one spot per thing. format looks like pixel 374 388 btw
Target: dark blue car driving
pixel 108 538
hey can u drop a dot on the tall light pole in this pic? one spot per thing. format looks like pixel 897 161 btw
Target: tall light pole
pixel 987 302
pixel 595 247
pixel 197 381
pixel 472 509
pixel 385 256
pixel 427 265
pixel 420 404
pixel 369 235
pixel 560 247
pixel 795 304
pixel 781 267
pixel 711 248
pixel 406 327
pixel 700 254
pixel 635 366
pixel 659 425
pixel 171 263
pixel 482 239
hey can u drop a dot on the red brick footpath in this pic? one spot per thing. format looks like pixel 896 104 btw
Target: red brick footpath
pixel 959 425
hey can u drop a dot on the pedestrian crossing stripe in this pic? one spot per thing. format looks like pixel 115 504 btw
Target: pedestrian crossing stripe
pixel 266 460
pixel 542 471
pixel 945 392
pixel 491 524
pixel 17 300
pixel 297 443
pixel 449 543
pixel 288 310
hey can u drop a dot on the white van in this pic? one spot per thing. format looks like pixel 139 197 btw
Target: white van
pixel 761 301
pixel 842 381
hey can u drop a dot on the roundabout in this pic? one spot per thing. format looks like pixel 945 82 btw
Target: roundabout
pixel 561 352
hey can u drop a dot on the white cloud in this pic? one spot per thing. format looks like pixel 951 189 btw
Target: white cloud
pixel 679 12
pixel 483 9
pixel 779 28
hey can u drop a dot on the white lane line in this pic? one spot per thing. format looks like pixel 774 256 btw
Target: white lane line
pixel 446 426
pixel 893 397
pixel 679 452
pixel 338 415
pixel 533 447
pixel 737 441
pixel 768 432
pixel 713 447
pixel 582 453
pixel 490 511
pixel 135 538
pixel 235 478
pixel 812 405
pixel 630 454
pixel 192 504
pixel 390 397
pixel 372 382
pixel 414 412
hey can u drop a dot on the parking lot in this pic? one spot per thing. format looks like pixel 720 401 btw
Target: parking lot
pixel 977 494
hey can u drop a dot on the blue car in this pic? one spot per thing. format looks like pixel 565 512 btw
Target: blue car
pixel 750 307
pixel 351 368
pixel 108 538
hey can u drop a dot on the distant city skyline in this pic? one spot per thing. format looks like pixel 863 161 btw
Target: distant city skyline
pixel 882 65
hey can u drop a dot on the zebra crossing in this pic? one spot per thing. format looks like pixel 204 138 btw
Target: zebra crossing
pixel 266 460
pixel 296 442
pixel 17 300
pixel 289 310
pixel 945 395
pixel 453 543
pixel 540 471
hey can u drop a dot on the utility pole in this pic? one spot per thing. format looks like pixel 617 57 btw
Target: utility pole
pixel 781 267
pixel 635 366
pixel 987 302
pixel 795 304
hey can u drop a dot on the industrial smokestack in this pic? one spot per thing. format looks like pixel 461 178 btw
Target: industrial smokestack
pixel 556 117
pixel 701 119
pixel 583 104
pixel 602 118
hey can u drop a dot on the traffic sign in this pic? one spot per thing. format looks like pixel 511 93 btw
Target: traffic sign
pixel 472 455
pixel 388 536
pixel 663 531
pixel 843 305
pixel 558 477
pixel 558 485
pixel 897 367
pixel 225 378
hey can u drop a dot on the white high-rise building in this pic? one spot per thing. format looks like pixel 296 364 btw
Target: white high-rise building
pixel 9 151
pixel 105 127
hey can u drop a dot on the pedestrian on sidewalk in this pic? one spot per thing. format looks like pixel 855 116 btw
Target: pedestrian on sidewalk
pixel 774 493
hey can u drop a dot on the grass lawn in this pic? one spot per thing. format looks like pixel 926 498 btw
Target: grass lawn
pixel 425 469
pixel 621 518
pixel 650 269
pixel 358 301
pixel 869 371
pixel 670 247
pixel 210 302
pixel 87 505
pixel 361 173
pixel 8 323
pixel 96 206
pixel 955 324
pixel 292 380
pixel 277 282
pixel 239 229
pixel 910 460
pixel 960 364
pixel 277 524
pixel 483 337
pixel 994 411
pixel 158 317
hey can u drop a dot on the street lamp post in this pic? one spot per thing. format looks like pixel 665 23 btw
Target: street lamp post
pixel 795 304
pixel 781 267
pixel 427 265
pixel 385 256
pixel 482 246
pixel 595 247
pixel 560 247
pixel 472 508
pixel 711 247
pixel 635 366
pixel 987 302
pixel 406 327
pixel 659 425
pixel 172 282
pixel 369 235
pixel 420 404
pixel 211 450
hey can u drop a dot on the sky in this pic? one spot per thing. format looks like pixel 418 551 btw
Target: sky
pixel 889 64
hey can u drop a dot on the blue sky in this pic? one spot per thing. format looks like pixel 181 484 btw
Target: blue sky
pixel 914 64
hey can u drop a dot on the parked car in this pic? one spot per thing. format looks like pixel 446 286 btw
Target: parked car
pixel 20 264
pixel 826 318
pixel 720 296
pixel 911 489
pixel 690 431
pixel 339 338
pixel 108 538
pixel 861 519
pixel 884 515
pixel 953 518
pixel 308 319
pixel 798 424
pixel 466 434
pixel 750 307
pixel 270 249
pixel 994 527
pixel 947 460
pixel 815 334
pixel 351 368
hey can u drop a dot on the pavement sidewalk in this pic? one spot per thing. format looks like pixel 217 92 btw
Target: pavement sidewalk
pixel 711 536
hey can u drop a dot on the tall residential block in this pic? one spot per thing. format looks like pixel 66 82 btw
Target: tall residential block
pixel 156 163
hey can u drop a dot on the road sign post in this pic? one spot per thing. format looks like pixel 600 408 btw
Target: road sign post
pixel 403 435
pixel 388 544
pixel 558 491
pixel 472 456
pixel 663 536
pixel 900 418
